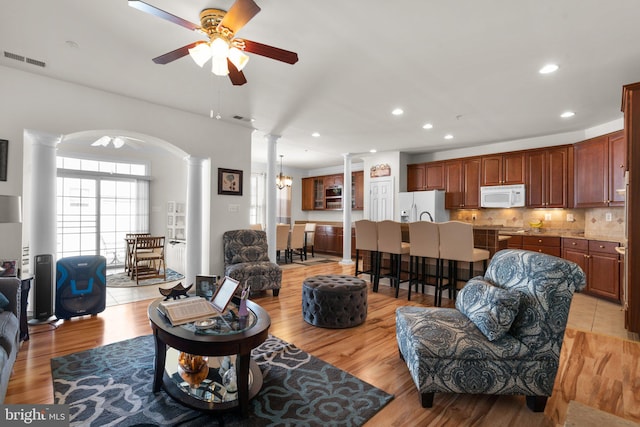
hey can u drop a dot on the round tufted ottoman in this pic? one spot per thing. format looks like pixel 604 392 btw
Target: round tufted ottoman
pixel 334 301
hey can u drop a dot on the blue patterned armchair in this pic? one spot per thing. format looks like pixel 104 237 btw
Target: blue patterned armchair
pixel 503 337
pixel 247 261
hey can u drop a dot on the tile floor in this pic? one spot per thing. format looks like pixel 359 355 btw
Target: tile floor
pixel 600 316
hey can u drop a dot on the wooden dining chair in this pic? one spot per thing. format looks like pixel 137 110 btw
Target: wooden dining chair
pixel 130 240
pixel 148 258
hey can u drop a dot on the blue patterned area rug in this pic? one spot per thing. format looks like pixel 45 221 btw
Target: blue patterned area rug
pixel 111 386
pixel 123 280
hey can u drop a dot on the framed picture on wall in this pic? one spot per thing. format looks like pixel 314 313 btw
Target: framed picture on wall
pixel 4 158
pixel 230 182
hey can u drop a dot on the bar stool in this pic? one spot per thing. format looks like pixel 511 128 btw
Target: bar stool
pixel 309 236
pixel 456 244
pixel 425 244
pixel 367 240
pixel 390 241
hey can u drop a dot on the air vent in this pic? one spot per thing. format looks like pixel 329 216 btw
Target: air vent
pixel 13 56
pixel 242 119
pixel 24 59
pixel 36 62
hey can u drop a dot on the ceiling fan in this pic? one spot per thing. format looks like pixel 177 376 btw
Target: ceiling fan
pixel 223 48
pixel 117 141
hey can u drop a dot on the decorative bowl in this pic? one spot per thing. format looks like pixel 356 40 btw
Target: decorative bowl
pixel 204 324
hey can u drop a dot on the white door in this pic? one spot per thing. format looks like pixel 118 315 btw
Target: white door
pixel 381 200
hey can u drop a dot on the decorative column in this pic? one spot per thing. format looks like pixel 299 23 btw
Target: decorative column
pixel 346 212
pixel 197 218
pixel 42 213
pixel 272 154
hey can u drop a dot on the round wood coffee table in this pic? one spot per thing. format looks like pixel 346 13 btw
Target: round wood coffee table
pixel 234 338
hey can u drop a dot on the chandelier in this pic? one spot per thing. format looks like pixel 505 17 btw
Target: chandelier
pixel 282 180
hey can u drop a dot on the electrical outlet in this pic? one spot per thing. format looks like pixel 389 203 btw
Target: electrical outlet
pixel 607 217
pixel 570 218
pixel 547 217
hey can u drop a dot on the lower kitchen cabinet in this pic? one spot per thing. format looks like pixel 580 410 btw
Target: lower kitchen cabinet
pixel 544 244
pixel 600 262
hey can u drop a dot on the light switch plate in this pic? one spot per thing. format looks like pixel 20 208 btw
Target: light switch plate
pixel 570 218
pixel 234 208
pixel 547 217
pixel 607 216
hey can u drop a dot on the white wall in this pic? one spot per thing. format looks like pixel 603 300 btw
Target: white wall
pixel 39 103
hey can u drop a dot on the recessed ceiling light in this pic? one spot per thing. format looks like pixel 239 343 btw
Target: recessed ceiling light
pixel 373 150
pixel 567 114
pixel 315 135
pixel 549 68
pixel 427 126
pixel 448 136
pixel 397 112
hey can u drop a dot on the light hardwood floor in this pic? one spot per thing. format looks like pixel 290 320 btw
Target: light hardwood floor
pixel 596 369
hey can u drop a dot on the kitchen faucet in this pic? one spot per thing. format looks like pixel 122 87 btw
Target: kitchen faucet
pixel 426 212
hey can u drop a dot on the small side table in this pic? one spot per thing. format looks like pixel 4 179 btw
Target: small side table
pixel 24 300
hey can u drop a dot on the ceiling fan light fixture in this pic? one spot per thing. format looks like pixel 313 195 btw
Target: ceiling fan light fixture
pixel 101 142
pixel 238 58
pixel 219 48
pixel 219 66
pixel 118 142
pixel 200 53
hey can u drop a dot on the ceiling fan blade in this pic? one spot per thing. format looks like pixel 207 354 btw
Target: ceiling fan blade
pixel 270 52
pixel 239 14
pixel 174 54
pixel 152 10
pixel 236 77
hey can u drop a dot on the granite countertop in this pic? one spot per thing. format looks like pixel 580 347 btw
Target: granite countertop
pixel 573 234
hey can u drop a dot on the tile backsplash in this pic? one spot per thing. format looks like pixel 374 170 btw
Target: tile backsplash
pixel 592 221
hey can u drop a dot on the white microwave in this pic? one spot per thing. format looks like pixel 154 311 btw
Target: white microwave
pixel 502 196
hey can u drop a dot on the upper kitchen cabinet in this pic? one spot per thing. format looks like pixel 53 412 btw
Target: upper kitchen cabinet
pixel 503 169
pixel 599 170
pixel 357 190
pixel 416 177
pixel 308 194
pixel 547 176
pixel 617 167
pixel 462 183
pixel 326 192
pixel 434 174
pixel 425 176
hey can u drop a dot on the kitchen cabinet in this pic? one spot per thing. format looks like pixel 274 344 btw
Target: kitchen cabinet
pixel 326 192
pixel 416 178
pixel 547 177
pixel 462 183
pixel 600 262
pixel 357 190
pixel 503 169
pixel 544 244
pixel 599 166
pixel 453 197
pixel 471 180
pixel 328 240
pixel 617 167
pixel 308 194
pixel 515 242
pixel 434 176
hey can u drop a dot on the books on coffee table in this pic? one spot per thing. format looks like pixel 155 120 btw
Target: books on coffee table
pixel 191 309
